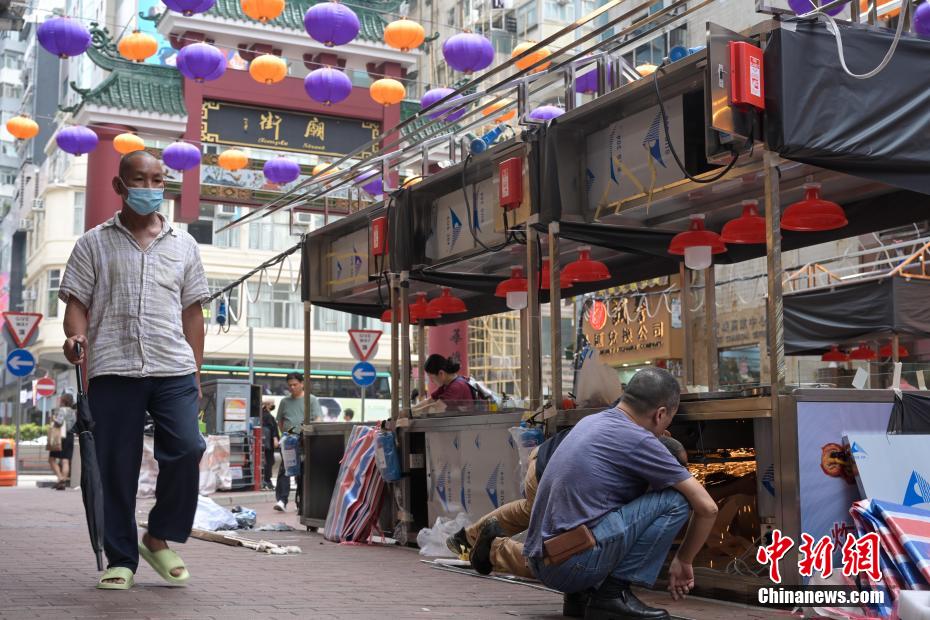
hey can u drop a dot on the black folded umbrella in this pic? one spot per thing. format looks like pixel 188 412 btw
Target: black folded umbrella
pixel 91 487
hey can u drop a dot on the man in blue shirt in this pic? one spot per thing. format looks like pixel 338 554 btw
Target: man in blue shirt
pixel 612 475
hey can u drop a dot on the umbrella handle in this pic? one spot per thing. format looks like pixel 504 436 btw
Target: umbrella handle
pixel 80 372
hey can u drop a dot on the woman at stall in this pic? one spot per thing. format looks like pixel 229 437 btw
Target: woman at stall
pixel 454 390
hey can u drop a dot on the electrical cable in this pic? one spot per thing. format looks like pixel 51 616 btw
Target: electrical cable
pixel 471 227
pixel 831 24
pixel 671 147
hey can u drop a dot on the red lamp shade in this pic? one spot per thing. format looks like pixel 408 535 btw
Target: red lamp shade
pixel 834 355
pixel 386 316
pixel 862 353
pixel 584 269
pixel 813 214
pixel 885 351
pixel 514 289
pixel 545 276
pixel 420 309
pixel 697 245
pixel 749 228
pixel 447 303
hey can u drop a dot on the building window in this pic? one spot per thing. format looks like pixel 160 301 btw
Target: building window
pixel 559 11
pixel 54 283
pixel 527 18
pixel 204 230
pixel 78 225
pixel 271 233
pixel 278 306
pixel 328 320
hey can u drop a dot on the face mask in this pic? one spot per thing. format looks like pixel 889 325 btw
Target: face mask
pixel 144 201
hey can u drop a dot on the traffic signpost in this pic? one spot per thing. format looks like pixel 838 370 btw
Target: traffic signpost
pixel 45 387
pixel 22 326
pixel 20 363
pixel 364 374
pixel 363 343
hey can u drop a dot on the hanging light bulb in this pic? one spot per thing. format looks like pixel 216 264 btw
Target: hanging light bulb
pixel 584 269
pixel 697 245
pixel 514 289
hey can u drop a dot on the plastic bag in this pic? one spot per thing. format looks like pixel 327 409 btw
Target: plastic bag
pixel 526 439
pixel 432 540
pixel 245 517
pixel 211 516
pixel 596 384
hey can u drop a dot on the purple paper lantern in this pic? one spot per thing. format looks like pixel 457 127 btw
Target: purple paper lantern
pixel 63 37
pixel 370 182
pixel 327 85
pixel 281 170
pixel 922 19
pixel 468 52
pixel 435 94
pixel 586 83
pixel 331 23
pixel 76 140
pixel 189 7
pixel 545 113
pixel 181 156
pixel 201 62
pixel 800 7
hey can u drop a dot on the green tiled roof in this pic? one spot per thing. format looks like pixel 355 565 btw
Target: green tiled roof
pixel 134 90
pixel 131 86
pixel 373 15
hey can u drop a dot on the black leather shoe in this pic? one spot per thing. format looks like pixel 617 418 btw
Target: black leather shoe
pixel 624 607
pixel 573 604
pixel 458 543
pixel 480 556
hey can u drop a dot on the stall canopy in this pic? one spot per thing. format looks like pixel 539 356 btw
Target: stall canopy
pixel 817 114
pixel 816 319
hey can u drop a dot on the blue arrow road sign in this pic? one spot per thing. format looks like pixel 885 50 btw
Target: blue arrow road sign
pixel 21 363
pixel 364 374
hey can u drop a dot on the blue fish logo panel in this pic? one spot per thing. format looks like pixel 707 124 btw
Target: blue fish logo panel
pixel 653 140
pixel 918 490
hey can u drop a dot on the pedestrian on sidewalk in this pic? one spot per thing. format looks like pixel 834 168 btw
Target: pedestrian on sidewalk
pixel 63 421
pixel 290 419
pixel 134 287
pixel 270 441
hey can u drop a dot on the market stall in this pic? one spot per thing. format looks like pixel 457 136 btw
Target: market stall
pixel 771 456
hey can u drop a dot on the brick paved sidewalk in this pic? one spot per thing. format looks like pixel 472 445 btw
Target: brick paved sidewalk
pixel 47 571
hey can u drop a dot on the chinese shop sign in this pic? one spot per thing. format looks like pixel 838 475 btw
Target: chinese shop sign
pixel 632 329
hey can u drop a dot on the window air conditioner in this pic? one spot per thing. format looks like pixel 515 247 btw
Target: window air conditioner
pixel 303 218
pixel 38 204
pixel 225 211
pixel 25 224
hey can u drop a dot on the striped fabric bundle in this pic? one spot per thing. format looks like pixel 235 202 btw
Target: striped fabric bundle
pixel 904 533
pixel 356 503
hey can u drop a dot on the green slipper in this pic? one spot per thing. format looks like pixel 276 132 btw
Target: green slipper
pixel 116 572
pixel 164 562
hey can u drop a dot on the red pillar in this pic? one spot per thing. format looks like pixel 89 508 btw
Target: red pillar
pixel 450 340
pixel 102 165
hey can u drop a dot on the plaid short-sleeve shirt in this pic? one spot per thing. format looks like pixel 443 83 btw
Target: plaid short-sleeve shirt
pixel 134 299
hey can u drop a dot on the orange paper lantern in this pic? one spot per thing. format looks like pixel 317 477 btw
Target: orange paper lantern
pixel 495 107
pixel 137 46
pixel 262 10
pixel 127 143
pixel 532 58
pixel 268 69
pixel 404 34
pixel 323 169
pixel 22 127
pixel 879 7
pixel 232 159
pixel 387 91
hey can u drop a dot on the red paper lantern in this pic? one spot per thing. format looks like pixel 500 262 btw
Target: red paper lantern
pixel 697 245
pixel 447 303
pixel 813 214
pixel 585 269
pixel 834 355
pixel 749 228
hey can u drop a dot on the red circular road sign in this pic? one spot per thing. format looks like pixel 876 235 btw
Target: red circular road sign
pixel 45 387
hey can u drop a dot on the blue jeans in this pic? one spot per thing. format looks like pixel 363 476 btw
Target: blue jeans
pixel 632 543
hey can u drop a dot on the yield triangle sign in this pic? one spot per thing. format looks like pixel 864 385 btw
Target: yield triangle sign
pixel 22 326
pixel 364 342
